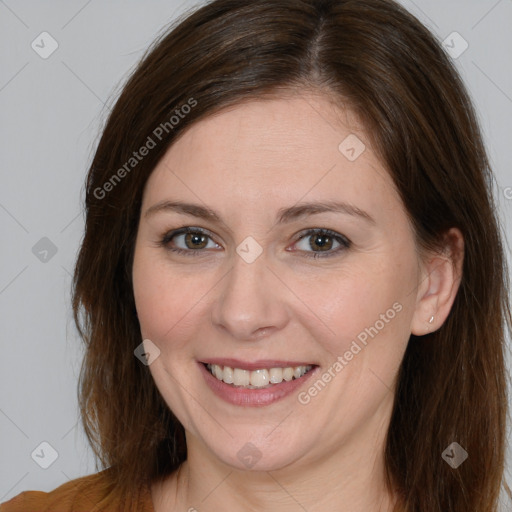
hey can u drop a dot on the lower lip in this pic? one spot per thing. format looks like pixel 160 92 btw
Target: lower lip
pixel 253 397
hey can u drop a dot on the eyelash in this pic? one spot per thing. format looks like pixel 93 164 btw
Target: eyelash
pixel 344 242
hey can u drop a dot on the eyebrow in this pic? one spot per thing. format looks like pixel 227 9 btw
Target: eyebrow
pixel 284 215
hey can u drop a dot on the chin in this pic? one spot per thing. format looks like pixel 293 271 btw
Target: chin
pixel 255 450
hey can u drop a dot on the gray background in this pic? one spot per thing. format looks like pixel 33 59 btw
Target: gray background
pixel 51 113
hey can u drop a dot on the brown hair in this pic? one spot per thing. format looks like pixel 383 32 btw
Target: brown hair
pixel 378 59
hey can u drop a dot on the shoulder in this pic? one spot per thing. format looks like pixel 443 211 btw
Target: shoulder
pixel 91 493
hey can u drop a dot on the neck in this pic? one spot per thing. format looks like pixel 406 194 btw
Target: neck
pixel 344 490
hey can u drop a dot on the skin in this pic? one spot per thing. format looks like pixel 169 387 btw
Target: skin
pixel 246 163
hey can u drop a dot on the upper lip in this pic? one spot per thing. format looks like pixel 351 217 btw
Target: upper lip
pixel 254 365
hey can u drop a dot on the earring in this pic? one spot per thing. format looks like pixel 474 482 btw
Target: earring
pixel 429 326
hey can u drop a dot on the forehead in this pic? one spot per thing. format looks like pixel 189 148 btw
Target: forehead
pixel 266 153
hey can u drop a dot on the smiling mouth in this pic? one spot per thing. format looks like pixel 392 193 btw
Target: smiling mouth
pixel 257 379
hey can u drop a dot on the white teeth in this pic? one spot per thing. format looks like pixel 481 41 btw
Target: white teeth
pixel 240 377
pixel 227 376
pixel 260 378
pixel 288 373
pixel 217 371
pixel 276 375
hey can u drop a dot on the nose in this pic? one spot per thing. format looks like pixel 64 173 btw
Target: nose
pixel 251 301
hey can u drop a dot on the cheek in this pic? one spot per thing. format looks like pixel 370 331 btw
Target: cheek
pixel 370 301
pixel 164 299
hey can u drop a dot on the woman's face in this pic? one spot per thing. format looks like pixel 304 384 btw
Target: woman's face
pixel 246 291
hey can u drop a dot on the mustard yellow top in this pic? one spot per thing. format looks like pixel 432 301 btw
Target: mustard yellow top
pixel 85 494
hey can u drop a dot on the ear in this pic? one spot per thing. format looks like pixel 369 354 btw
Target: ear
pixel 439 282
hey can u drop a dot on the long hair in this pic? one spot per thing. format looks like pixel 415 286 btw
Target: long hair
pixel 378 59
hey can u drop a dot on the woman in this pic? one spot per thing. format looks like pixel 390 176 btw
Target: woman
pixel 291 286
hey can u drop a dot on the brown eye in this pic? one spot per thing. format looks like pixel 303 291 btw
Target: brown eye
pixel 195 240
pixel 323 242
pixel 319 241
pixel 189 241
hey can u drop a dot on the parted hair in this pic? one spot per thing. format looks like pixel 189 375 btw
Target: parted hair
pixel 379 60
